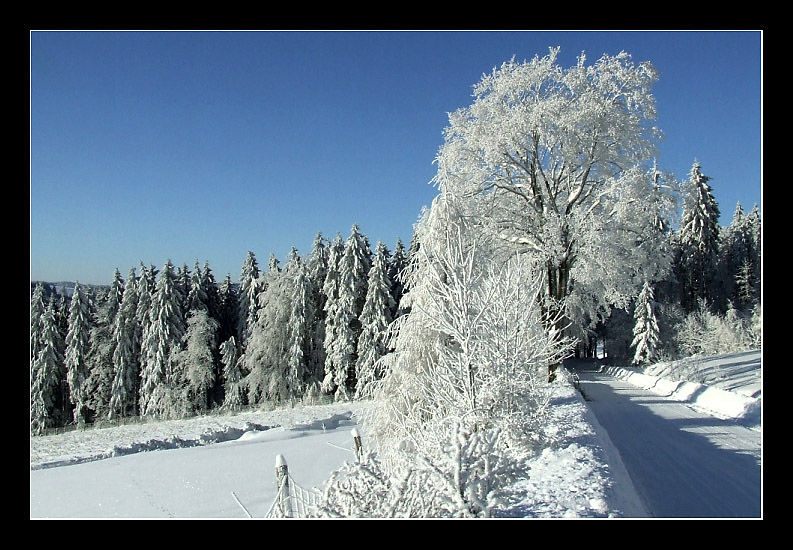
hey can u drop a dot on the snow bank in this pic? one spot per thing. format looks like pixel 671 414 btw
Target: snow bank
pixel 713 400
pixel 574 477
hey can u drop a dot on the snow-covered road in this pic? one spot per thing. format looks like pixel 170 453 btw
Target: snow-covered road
pixel 683 463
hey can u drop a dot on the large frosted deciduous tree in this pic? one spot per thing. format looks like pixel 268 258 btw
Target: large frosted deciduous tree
pixel 557 161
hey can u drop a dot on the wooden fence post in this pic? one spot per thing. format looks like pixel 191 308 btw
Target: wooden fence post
pixel 282 478
pixel 356 437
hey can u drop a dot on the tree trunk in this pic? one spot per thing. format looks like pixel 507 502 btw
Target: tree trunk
pixel 558 280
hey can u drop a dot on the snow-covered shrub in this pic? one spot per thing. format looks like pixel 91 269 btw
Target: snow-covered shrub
pixel 464 476
pixel 705 333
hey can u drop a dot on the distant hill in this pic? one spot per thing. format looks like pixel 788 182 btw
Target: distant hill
pixel 64 288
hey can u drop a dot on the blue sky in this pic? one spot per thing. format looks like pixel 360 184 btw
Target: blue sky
pixel 202 146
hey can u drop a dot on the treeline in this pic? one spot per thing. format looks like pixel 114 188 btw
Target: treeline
pixel 174 342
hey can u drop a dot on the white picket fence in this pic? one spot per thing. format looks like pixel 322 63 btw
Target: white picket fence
pixel 292 500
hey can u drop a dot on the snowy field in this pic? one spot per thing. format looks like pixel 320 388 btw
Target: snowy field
pixel 224 466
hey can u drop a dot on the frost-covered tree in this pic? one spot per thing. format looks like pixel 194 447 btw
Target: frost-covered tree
pixel 147 284
pixel 274 264
pixel 77 350
pixel 265 357
pixel 343 308
pixel 739 261
pixel 466 382
pixel 234 391
pixel 377 314
pixel 330 291
pixel 161 340
pixel 553 161
pixel 645 331
pixel 396 268
pixel 196 359
pixel 45 371
pixel 317 273
pixel 248 298
pixel 698 239
pixel 126 353
pixel 112 301
pixel 357 260
pixel 37 309
pixel 300 331
pixel 228 309
pixel 197 297
pixel 99 385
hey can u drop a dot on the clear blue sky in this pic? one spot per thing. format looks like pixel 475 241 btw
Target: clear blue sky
pixel 202 146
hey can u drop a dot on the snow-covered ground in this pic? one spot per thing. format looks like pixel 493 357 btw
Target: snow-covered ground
pixel 224 466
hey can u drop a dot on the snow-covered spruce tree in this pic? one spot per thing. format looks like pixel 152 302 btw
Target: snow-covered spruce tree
pixel 196 359
pixel 233 388
pixel 77 349
pixel 45 372
pixel 299 334
pixel 698 239
pixel 559 154
pixel 342 325
pixel 738 262
pixel 37 309
pixel 113 299
pixel 377 314
pixel 160 393
pixel 645 331
pixel 330 292
pixel 396 267
pixel 228 309
pixel 197 297
pixel 265 357
pixel 99 385
pixel 126 353
pixel 248 298
pixel 317 272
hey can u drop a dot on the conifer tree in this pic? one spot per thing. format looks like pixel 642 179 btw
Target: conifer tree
pixel 77 349
pixel 330 290
pixel 196 359
pixel 299 337
pixel 699 240
pixel 99 384
pixel 317 272
pixel 126 353
pixel 248 294
pixel 114 296
pixel 162 338
pixel 274 264
pixel 211 289
pixel 46 369
pixel 265 356
pixel 37 309
pixel 197 297
pixel 228 309
pixel 375 319
pixel 396 269
pixel 234 393
pixel 358 260
pixel 645 331
pixel 342 319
